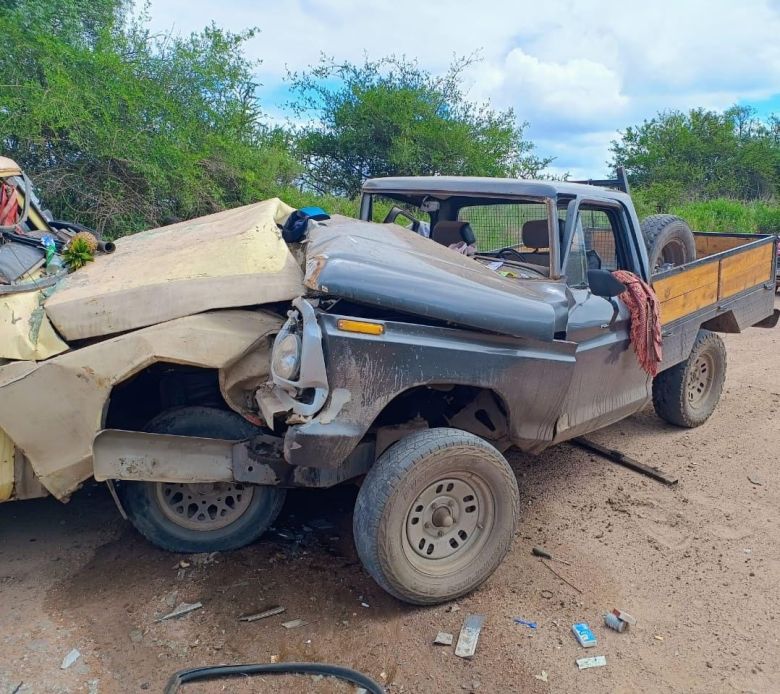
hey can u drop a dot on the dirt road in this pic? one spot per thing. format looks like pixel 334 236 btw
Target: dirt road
pixel 698 565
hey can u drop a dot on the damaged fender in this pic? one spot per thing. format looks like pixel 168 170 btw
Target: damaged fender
pixel 69 394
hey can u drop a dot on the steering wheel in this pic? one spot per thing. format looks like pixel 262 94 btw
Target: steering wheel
pixel 513 251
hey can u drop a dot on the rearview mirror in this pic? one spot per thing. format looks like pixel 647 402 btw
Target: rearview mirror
pixel 604 283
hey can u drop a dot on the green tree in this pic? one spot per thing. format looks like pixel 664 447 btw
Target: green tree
pixel 123 130
pixel 392 117
pixel 677 157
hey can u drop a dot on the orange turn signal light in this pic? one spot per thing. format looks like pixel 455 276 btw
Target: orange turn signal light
pixel 359 326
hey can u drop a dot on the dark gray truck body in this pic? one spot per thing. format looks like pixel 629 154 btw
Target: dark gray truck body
pixel 555 360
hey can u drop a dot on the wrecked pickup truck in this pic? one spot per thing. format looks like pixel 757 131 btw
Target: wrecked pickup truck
pixel 204 368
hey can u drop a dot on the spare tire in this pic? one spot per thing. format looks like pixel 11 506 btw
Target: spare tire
pixel 669 241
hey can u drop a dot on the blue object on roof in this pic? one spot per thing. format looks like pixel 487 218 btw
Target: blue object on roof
pixel 314 213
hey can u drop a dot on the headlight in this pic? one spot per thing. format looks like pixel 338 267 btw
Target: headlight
pixel 286 361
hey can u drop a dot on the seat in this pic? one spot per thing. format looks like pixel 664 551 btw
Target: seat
pixel 536 236
pixel 447 233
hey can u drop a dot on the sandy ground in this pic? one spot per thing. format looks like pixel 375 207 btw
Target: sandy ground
pixel 698 565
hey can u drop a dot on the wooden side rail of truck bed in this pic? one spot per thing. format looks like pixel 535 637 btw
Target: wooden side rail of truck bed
pixel 729 267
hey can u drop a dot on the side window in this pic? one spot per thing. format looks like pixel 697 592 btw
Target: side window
pixel 600 238
pixel 576 264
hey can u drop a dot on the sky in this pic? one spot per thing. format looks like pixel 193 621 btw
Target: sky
pixel 578 71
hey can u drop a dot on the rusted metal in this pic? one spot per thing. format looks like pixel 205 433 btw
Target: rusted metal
pixel 625 461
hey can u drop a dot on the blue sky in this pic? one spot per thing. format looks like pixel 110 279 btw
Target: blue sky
pixel 576 70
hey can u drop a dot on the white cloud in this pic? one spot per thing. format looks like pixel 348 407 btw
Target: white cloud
pixel 577 71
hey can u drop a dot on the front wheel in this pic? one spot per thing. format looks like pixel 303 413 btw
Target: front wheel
pixel 687 394
pixel 435 515
pixel 201 517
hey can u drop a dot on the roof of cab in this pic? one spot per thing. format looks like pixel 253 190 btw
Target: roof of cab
pixel 448 186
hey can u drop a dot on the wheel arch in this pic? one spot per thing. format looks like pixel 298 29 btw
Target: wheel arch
pixel 478 410
pixel 230 342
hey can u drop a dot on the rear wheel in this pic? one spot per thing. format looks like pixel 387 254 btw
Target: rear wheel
pixel 201 517
pixel 436 515
pixel 669 240
pixel 687 394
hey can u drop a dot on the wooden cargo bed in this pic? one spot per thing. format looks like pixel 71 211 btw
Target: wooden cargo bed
pixel 727 266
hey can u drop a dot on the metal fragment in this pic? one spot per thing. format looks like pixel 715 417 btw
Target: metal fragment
pixel 443 638
pixel 627 618
pixel 624 460
pixel 184 608
pixel 270 612
pixel 469 635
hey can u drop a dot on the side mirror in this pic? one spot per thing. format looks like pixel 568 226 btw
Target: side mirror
pixel 603 283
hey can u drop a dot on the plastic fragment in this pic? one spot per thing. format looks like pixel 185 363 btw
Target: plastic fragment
pixel 583 634
pixel 525 622
pixel 469 635
pixel 595 661
pixel 71 658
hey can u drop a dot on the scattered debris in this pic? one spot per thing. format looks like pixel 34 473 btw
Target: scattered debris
pixel 595 661
pixel 544 554
pixel 294 624
pixel 274 658
pixel 443 639
pixel 542 677
pixel 270 612
pixel 69 659
pixel 567 582
pixel 624 460
pixel 184 564
pixel 583 634
pixel 525 622
pixel 469 635
pixel 546 594
pixel 184 608
pixel 365 604
pixel 614 622
pixel 454 607
pixel 204 558
pixel 171 599
pixel 658 637
pixel 624 616
pixel 756 481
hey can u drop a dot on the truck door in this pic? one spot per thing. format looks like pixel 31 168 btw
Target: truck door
pixel 608 382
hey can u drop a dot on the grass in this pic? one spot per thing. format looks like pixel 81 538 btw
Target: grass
pixel 723 215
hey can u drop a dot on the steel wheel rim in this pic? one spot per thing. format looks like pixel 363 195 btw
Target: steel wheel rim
pixel 205 506
pixel 700 380
pixel 448 523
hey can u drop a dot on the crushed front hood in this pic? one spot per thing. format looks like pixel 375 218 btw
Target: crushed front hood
pixel 230 259
pixel 391 267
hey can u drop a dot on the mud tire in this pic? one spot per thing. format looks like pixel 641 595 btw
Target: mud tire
pixel 686 394
pixel 669 241
pixel 414 469
pixel 143 501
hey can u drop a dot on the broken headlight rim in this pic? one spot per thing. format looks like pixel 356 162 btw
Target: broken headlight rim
pixel 286 358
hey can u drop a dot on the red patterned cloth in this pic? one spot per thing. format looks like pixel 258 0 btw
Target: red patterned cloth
pixel 645 320
pixel 9 208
